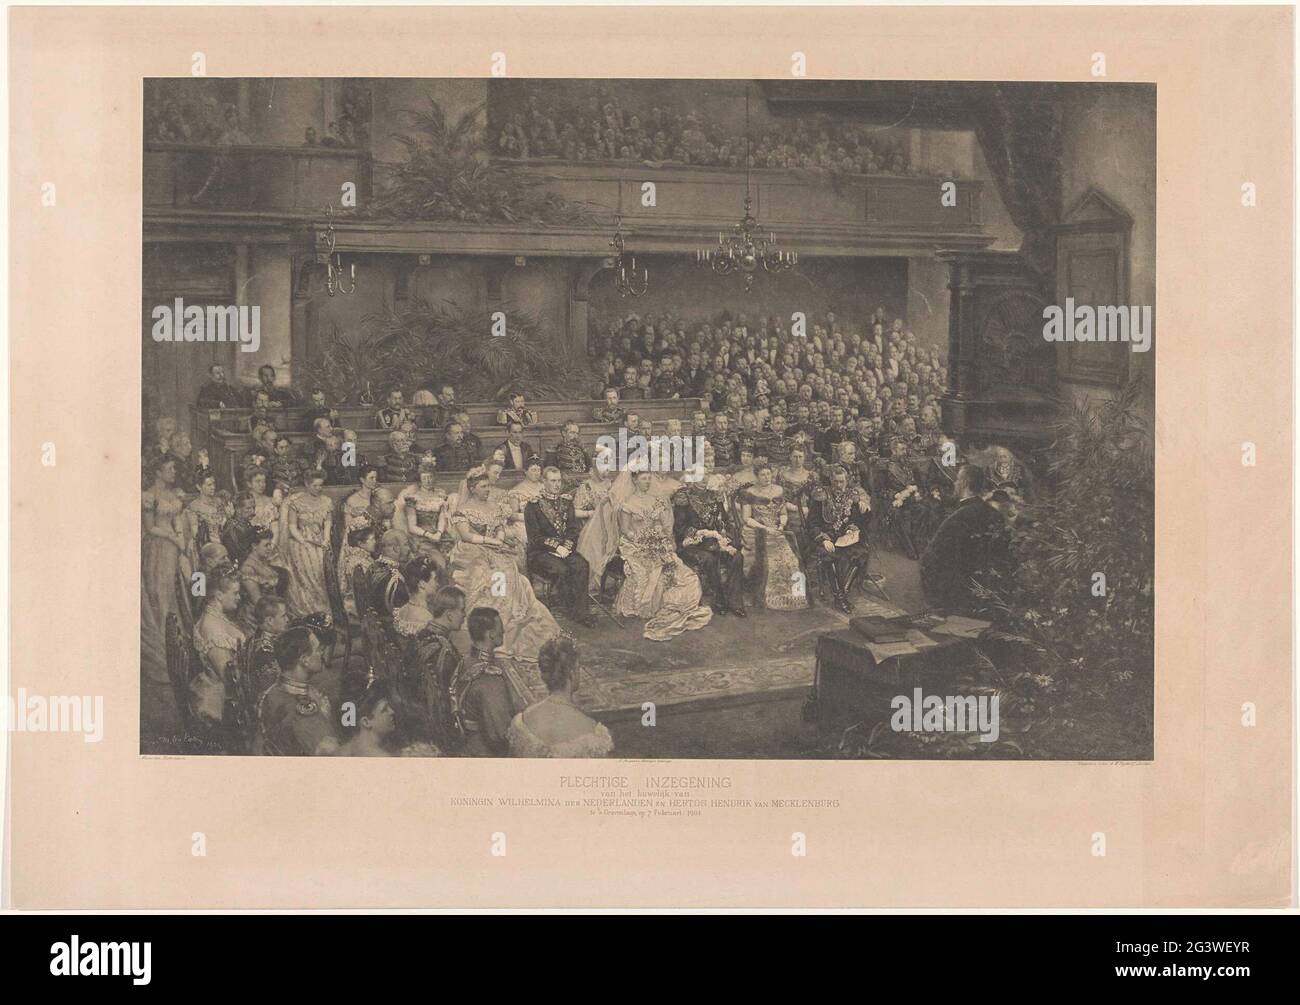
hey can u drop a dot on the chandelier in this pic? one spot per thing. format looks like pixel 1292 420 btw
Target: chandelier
pixel 742 250
pixel 333 261
pixel 625 277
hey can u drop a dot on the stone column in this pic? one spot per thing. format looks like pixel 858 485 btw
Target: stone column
pixel 265 280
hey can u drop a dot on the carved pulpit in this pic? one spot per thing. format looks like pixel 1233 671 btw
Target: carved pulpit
pixel 1001 371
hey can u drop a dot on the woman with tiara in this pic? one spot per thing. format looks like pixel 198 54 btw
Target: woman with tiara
pixel 305 530
pixel 778 579
pixel 422 513
pixel 205 515
pixel 797 481
pixel 598 540
pixel 658 586
pixel 358 507
pixel 265 512
pixel 484 565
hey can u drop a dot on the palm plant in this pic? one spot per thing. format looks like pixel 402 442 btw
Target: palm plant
pixel 448 174
pixel 352 366
pixel 441 341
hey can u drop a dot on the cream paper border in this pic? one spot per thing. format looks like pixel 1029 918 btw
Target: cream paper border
pixel 1209 822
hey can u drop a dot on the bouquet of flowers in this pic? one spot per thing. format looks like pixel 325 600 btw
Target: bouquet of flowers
pixel 724 544
pixel 911 492
pixel 655 546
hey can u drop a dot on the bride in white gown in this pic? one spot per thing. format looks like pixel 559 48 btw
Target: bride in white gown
pixel 658 586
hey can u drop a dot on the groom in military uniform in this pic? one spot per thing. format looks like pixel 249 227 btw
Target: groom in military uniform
pixel 553 529
pixel 704 524
pixel 837 533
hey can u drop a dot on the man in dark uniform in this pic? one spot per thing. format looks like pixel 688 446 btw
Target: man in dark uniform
pixel 568 455
pixel 516 412
pixel 708 539
pixel 776 445
pixel 261 412
pixel 971 548
pixel 724 443
pixel 280 397
pixel 319 409
pixel 423 693
pixel 239 534
pixel 400 464
pixel 475 444
pixel 611 411
pixel 552 529
pixel 294 718
pixel 455 454
pixel 668 384
pixel 487 691
pixel 216 393
pixel 379 582
pixel 837 534
pixel 392 415
pixel 271 619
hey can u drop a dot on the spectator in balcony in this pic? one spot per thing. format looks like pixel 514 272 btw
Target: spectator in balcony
pixel 261 417
pixel 216 393
pixel 279 397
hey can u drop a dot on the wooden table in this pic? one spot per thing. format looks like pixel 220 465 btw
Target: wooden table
pixel 850 686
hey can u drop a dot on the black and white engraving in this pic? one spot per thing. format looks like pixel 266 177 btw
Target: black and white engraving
pixel 648 418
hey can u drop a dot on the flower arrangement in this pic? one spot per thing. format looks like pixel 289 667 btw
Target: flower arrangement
pixel 724 544
pixel 911 492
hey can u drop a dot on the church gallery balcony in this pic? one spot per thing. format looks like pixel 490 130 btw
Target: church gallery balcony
pixel 812 212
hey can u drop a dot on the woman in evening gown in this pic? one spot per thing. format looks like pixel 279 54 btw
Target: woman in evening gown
pixel 205 515
pixel 797 481
pixel 554 726
pixel 658 586
pixel 598 539
pixel 265 513
pixel 483 564
pixel 305 531
pixel 421 513
pixel 779 583
pixel 163 525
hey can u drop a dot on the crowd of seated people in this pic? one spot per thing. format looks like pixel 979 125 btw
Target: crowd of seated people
pixel 814 449
pixel 602 129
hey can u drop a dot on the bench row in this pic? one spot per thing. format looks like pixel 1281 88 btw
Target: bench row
pixel 481 414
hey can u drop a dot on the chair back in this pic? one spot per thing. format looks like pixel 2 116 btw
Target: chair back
pixel 332 590
pixel 243 693
pixel 180 666
pixel 357 585
pixel 185 604
pixel 338 526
